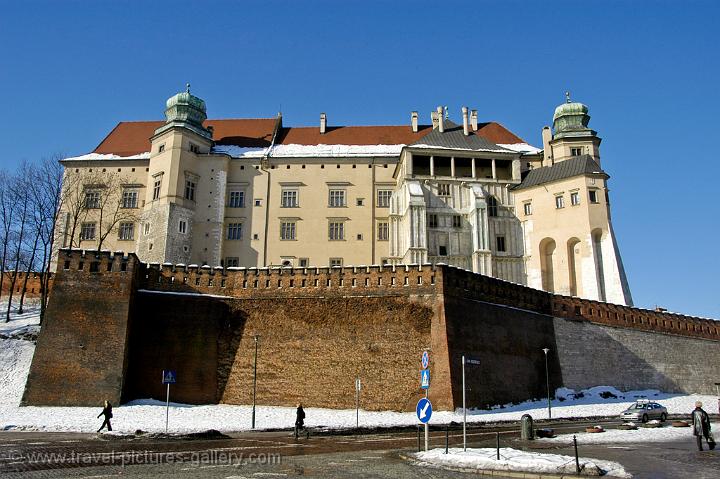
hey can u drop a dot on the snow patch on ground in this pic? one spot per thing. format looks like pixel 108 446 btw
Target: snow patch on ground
pixel 28 321
pixel 516 461
pixel 15 358
pixel 636 436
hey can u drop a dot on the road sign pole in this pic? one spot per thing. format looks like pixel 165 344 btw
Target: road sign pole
pixel 427 427
pixel 254 381
pixel 464 407
pixel 357 403
pixel 167 408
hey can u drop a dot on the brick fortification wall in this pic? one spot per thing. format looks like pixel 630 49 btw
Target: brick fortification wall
pixel 80 356
pixel 32 290
pixel 320 328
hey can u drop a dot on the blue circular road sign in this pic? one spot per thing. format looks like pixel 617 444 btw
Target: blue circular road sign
pixel 423 410
pixel 425 361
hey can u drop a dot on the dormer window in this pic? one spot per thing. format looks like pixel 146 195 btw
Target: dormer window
pixel 576 151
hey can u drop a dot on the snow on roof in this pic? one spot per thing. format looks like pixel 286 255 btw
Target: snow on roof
pixel 521 148
pixel 295 151
pixel 101 156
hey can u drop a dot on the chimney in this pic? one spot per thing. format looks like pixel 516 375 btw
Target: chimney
pixel 434 118
pixel 473 119
pixel 441 119
pixel 414 121
pixel 547 149
pixel 466 128
pixel 323 123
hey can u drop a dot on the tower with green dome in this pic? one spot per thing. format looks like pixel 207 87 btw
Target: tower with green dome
pixel 185 110
pixel 571 136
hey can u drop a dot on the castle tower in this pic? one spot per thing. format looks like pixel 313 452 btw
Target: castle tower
pixel 178 183
pixel 570 246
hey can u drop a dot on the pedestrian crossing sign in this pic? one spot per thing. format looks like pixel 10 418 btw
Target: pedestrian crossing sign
pixel 425 378
pixel 169 377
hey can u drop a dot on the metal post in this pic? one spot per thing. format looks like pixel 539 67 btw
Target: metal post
pixel 547 382
pixel 427 427
pixel 418 437
pixel 464 407
pixel 447 437
pixel 497 444
pixel 254 380
pixel 167 408
pixel 577 461
pixel 357 403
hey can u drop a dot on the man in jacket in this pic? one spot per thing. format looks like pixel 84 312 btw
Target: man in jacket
pixel 701 426
pixel 107 412
pixel 300 421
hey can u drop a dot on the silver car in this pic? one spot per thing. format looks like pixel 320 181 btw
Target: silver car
pixel 644 410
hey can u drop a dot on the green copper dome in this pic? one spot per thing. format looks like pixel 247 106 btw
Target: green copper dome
pixel 571 119
pixel 185 110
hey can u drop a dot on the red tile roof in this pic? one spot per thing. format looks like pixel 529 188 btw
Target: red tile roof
pixel 131 138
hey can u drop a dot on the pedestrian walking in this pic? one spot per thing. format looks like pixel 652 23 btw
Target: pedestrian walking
pixel 701 427
pixel 107 412
pixel 300 422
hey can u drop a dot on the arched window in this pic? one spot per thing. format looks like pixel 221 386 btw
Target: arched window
pixel 492 206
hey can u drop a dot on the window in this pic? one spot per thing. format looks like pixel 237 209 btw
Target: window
pixel 156 187
pixel 182 227
pixel 383 231
pixel 527 208
pixel 500 243
pixel 287 230
pixel 234 231
pixel 383 198
pixel 577 151
pixel 360 201
pixel 258 202
pixel 559 202
pixel 190 189
pixel 127 231
pixel 593 196
pixel 336 262
pixel 146 228
pixel 457 221
pixel 237 199
pixel 574 198
pixel 492 206
pixel 87 231
pixel 432 221
pixel 442 250
pixel 336 230
pixel 92 200
pixel 161 148
pixel 232 262
pixel 303 262
pixel 129 199
pixel 289 199
pixel 194 148
pixel 443 189
pixel 337 198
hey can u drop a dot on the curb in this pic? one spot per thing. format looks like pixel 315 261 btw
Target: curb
pixel 493 472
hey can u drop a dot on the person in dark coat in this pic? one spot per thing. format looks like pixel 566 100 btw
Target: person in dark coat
pixel 107 412
pixel 300 421
pixel 701 427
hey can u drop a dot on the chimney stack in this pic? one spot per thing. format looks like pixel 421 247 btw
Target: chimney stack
pixel 323 123
pixel 434 118
pixel 211 129
pixel 473 119
pixel 414 121
pixel 466 128
pixel 441 119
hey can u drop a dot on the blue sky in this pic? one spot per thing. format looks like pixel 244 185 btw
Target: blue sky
pixel 69 71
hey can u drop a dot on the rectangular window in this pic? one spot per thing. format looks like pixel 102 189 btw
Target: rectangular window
pixel 559 202
pixel 127 231
pixel 87 231
pixel 289 199
pixel 593 196
pixel 383 231
pixel 457 221
pixel 190 190
pixel 234 231
pixel 576 151
pixel 432 221
pixel 129 199
pixel 442 250
pixel 336 230
pixel 92 200
pixel 161 148
pixel 574 198
pixel 146 229
pixel 360 201
pixel 303 262
pixel 232 262
pixel 383 198
pixel 258 202
pixel 287 230
pixel 527 208
pixel 237 199
pixel 337 198
pixel 194 148
pixel 182 227
pixel 500 243
pixel 156 187
pixel 443 189
pixel 336 262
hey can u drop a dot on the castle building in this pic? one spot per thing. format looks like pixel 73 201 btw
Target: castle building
pixel 255 193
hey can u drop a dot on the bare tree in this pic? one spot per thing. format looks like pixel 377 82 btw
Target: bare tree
pixel 17 188
pixel 113 210
pixel 8 203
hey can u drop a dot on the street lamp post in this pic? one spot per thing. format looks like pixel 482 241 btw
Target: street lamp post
pixel 547 382
pixel 254 379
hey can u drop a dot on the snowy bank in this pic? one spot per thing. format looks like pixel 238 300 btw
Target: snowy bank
pixel 20 324
pixel 514 460
pixel 636 436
